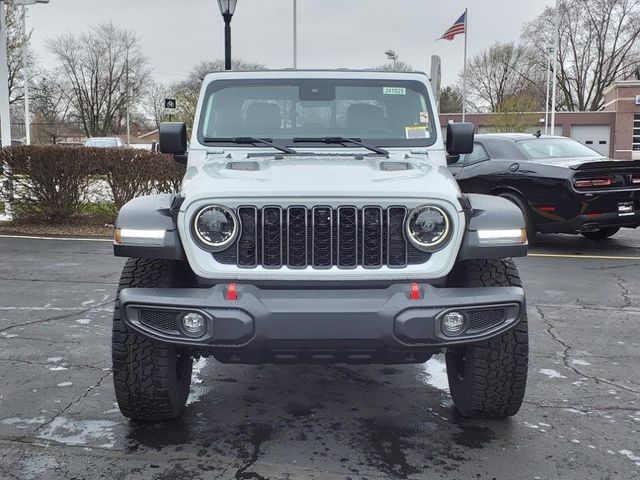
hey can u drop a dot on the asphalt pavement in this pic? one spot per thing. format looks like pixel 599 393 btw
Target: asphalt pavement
pixel 58 419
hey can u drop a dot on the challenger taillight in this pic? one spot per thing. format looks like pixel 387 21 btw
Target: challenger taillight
pixel 593 182
pixel 635 178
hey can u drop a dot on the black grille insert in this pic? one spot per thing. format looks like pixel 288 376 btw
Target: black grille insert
pixel 484 319
pixel 322 237
pixel 160 320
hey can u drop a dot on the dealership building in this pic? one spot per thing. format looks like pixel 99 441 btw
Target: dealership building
pixel 614 131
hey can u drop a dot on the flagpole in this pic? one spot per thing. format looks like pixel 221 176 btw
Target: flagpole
pixel 464 72
pixel 295 34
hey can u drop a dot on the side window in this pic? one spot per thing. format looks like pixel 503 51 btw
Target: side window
pixel 479 154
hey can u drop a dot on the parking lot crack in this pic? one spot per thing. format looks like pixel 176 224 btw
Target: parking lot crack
pixel 57 317
pixel 583 408
pixel 566 357
pixel 624 290
pixel 71 404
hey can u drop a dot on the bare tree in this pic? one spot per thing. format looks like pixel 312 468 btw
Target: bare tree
pixel 397 66
pixel 98 68
pixel 51 109
pixel 187 91
pixel 16 41
pixel 599 44
pixel 450 100
pixel 500 72
pixel 153 102
pixel 514 114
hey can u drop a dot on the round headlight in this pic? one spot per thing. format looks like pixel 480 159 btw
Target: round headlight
pixel 428 227
pixel 216 227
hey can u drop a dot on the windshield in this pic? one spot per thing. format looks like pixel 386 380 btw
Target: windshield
pixel 382 113
pixel 541 148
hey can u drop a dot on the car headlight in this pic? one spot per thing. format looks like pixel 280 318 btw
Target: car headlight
pixel 215 227
pixel 428 228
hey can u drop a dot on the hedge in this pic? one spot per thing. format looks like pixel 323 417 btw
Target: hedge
pixel 55 184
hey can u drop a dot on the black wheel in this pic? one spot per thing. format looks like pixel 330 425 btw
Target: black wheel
pixel 602 233
pixel 526 213
pixel 488 379
pixel 151 379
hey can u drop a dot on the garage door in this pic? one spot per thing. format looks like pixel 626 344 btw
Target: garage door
pixel 597 137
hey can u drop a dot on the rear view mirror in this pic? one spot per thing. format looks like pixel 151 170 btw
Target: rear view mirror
pixel 173 140
pixel 460 138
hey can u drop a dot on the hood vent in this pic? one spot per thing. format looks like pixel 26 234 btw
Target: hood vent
pixel 244 166
pixel 395 166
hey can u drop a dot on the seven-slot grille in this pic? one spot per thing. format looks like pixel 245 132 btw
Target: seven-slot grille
pixel 322 237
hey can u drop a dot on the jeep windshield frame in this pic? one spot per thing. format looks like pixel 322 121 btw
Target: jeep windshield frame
pixel 378 112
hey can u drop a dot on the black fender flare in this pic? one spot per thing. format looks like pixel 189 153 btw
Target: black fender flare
pixel 486 212
pixel 151 212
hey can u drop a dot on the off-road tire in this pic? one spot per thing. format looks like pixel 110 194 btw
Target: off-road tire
pixel 488 379
pixel 602 233
pixel 529 222
pixel 151 379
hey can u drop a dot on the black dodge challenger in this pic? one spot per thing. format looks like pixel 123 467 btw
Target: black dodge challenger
pixel 560 185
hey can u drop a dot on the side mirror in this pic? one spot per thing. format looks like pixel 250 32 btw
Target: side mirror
pixel 460 138
pixel 173 140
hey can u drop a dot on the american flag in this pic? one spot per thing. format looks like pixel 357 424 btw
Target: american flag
pixel 458 28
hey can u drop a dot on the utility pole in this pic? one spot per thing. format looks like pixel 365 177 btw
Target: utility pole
pixel 295 34
pixel 555 69
pixel 25 54
pixel 128 102
pixel 5 113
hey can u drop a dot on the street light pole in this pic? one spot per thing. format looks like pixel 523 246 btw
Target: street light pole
pixel 227 9
pixel 227 41
pixel 546 103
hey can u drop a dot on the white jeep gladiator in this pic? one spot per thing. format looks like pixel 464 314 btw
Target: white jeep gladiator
pixel 318 223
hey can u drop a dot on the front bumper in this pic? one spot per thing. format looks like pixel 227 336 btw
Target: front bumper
pixel 350 325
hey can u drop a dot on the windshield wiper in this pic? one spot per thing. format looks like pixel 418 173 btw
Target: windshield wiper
pixel 252 141
pixel 342 141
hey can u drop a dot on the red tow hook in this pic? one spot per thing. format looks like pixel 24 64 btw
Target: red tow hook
pixel 415 294
pixel 232 292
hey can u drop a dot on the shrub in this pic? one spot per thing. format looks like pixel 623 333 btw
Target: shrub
pixel 55 184
pixel 50 183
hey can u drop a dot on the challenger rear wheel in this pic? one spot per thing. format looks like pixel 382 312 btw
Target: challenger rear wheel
pixel 151 379
pixel 488 379
pixel 529 223
pixel 602 233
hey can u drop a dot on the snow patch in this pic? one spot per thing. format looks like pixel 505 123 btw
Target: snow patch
pixel 54 359
pixel 631 456
pixel 23 421
pixel 551 373
pixel 583 363
pixel 83 321
pixel 197 389
pixel 65 384
pixel 435 374
pixel 80 432
pixel 58 369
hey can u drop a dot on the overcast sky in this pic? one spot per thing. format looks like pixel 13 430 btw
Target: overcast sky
pixel 177 34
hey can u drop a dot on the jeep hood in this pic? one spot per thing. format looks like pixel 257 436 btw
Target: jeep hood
pixel 311 176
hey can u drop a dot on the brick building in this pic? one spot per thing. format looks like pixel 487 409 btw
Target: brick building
pixel 614 131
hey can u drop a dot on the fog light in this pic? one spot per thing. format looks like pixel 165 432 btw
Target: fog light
pixel 194 324
pixel 453 323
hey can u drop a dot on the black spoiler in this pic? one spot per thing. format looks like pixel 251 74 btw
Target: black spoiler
pixel 606 165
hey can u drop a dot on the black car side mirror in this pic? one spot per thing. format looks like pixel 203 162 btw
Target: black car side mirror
pixel 460 138
pixel 173 140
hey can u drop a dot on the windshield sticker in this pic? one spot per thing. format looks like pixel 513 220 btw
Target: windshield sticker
pixel 417 132
pixel 424 117
pixel 394 91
